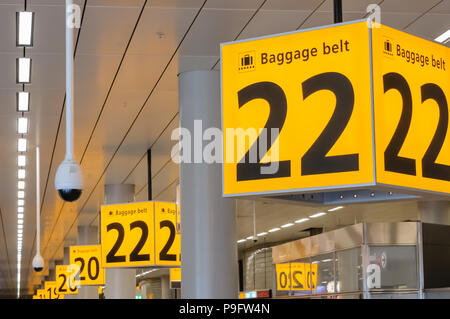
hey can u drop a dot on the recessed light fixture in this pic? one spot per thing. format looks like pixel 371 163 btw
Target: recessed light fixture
pixel 23 101
pixel 21 174
pixel 19 209
pixel 20 216
pixel 444 37
pixel 21 194
pixel 301 220
pixel 317 215
pixel 20 221
pixel 19 226
pixel 20 202
pixel 21 160
pixel 262 234
pixel 274 229
pixel 287 225
pixel 22 125
pixel 22 145
pixel 21 185
pixel 24 24
pixel 23 70
pixel 336 208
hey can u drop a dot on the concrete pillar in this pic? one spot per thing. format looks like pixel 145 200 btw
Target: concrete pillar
pixel 87 235
pixel 434 212
pixel 120 283
pixel 165 287
pixel 208 222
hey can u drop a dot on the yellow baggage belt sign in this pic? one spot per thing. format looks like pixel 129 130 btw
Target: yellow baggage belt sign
pixel 314 89
pixel 140 234
pixel 411 95
pixel 65 280
pixel 296 277
pixel 87 263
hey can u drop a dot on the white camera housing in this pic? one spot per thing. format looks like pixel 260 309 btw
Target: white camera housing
pixel 69 180
pixel 38 263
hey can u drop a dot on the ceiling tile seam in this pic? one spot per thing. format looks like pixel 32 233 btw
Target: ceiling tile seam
pixel 113 81
pixel 57 132
pixel 134 121
pixel 422 14
pixel 245 26
pixel 102 108
pixel 151 146
pixel 6 246
pixel 310 15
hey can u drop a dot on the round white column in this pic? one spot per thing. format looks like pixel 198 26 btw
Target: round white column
pixel 120 283
pixel 208 221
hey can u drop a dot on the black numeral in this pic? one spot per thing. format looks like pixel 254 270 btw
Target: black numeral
pixel 134 256
pixel 111 257
pixel 81 260
pixel 97 268
pixel 276 98
pixel 283 276
pixel 163 255
pixel 315 160
pixel 61 288
pixel 393 162
pixel 297 283
pixel 430 168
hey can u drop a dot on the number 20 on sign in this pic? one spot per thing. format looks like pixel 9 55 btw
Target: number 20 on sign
pixel 352 106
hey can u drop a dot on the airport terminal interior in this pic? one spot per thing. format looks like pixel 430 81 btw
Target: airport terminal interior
pixel 136 222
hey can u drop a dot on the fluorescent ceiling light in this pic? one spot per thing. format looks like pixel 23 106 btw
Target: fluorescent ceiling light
pixel 21 185
pixel 326 260
pixel 23 70
pixel 20 194
pixel 335 208
pixel 20 221
pixel 301 220
pixel 21 174
pixel 20 202
pixel 241 241
pixel 21 160
pixel 317 215
pixel 23 101
pixel 19 232
pixel 24 28
pixel 287 225
pixel 22 144
pixel 262 234
pixel 22 125
pixel 20 210
pixel 249 237
pixel 274 230
pixel 19 226
pixel 444 37
pixel 20 216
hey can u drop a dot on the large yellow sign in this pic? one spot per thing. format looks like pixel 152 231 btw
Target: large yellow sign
pixel 87 261
pixel 411 93
pixel 40 294
pixel 346 106
pixel 307 86
pixel 140 234
pixel 296 276
pixel 65 280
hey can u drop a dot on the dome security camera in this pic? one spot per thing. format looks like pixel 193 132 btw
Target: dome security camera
pixel 38 263
pixel 69 180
